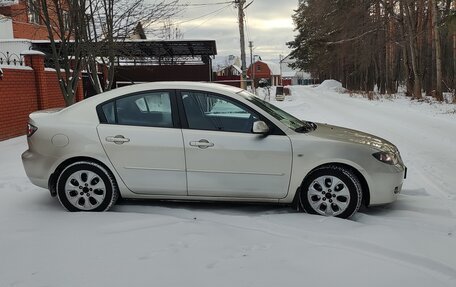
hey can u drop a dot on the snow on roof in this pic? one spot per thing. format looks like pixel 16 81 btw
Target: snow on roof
pixel 296 74
pixel 237 68
pixel 289 74
pixel 274 67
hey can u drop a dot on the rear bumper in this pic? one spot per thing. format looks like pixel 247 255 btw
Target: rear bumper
pixel 37 167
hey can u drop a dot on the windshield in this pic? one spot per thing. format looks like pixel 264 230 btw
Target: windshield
pixel 284 117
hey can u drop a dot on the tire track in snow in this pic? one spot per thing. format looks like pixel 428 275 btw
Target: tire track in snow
pixel 443 272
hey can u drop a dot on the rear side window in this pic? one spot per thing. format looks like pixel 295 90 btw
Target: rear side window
pixel 151 109
pixel 109 113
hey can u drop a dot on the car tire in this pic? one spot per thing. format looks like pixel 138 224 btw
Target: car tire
pixel 86 186
pixel 331 191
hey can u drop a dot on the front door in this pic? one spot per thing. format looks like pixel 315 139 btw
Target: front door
pixel 140 139
pixel 224 158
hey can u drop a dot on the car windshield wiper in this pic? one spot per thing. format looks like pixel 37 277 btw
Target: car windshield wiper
pixel 313 125
pixel 303 129
pixel 307 127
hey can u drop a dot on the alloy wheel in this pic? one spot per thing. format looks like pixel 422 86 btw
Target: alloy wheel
pixel 328 195
pixel 85 190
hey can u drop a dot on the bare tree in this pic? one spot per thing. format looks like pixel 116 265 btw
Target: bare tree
pixel 112 22
pixel 65 24
pixel 170 31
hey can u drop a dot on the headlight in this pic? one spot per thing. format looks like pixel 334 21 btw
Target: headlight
pixel 386 157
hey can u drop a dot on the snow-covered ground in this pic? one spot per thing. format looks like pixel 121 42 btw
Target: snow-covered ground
pixel 409 243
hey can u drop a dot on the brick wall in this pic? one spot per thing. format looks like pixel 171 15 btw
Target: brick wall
pixel 18 98
pixel 53 93
pixel 24 90
pixel 22 28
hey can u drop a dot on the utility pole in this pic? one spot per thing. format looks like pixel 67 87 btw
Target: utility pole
pixel 280 65
pixel 252 71
pixel 240 5
pixel 454 60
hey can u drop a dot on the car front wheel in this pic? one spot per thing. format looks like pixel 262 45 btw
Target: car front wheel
pixel 86 186
pixel 331 191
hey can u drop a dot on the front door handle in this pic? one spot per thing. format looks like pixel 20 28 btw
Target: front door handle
pixel 202 144
pixel 118 139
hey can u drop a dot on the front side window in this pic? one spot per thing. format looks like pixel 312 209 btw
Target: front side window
pixel 211 112
pixel 284 117
pixel 151 109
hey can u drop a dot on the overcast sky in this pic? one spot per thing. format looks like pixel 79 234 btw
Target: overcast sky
pixel 269 26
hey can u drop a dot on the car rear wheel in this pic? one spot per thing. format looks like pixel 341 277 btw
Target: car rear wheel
pixel 86 186
pixel 331 191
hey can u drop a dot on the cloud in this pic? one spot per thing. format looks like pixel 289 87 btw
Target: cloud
pixel 269 26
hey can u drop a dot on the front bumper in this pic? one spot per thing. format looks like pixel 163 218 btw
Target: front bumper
pixel 385 186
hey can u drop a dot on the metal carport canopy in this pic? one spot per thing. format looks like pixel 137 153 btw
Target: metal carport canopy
pixel 147 48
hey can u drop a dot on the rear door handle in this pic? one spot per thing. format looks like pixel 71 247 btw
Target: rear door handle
pixel 118 139
pixel 202 143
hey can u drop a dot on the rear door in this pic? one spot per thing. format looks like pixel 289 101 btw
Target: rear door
pixel 142 138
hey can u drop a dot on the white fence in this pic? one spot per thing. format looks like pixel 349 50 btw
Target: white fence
pixel 10 51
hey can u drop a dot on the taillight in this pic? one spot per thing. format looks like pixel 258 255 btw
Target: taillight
pixel 31 129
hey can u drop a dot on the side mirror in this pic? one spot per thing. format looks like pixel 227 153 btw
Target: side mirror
pixel 260 127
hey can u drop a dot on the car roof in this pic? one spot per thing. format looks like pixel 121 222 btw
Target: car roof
pixel 178 85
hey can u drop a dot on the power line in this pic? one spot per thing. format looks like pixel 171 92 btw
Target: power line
pixel 210 18
pixel 205 4
pixel 240 6
pixel 247 28
pixel 246 21
pixel 202 16
pixel 246 6
pixel 234 11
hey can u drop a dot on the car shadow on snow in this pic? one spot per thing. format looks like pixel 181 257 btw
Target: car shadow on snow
pixel 152 206
pixel 226 208
pixel 379 210
pixel 43 201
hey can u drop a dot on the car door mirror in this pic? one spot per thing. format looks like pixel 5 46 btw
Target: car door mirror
pixel 260 127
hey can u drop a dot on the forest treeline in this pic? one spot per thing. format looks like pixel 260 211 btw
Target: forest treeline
pixel 379 44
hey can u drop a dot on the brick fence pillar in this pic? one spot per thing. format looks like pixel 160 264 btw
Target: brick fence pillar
pixel 35 59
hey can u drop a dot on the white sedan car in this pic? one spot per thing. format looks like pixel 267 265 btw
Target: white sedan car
pixel 198 141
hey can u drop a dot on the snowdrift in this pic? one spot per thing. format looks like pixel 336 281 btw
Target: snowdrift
pixel 331 85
